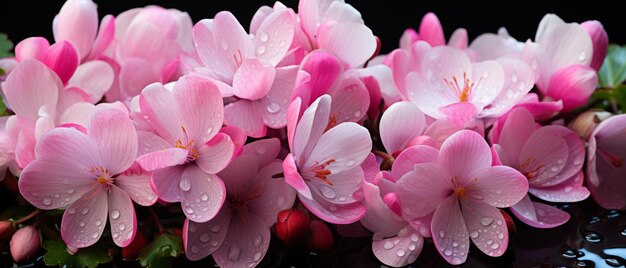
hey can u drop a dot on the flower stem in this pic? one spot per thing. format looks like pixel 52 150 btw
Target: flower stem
pixel 30 216
pixel 157 222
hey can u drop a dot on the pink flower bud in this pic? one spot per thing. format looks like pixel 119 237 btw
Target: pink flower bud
pixel 320 237
pixel 510 224
pixel 393 203
pixel 25 243
pixel 6 230
pixel 133 248
pixel 573 85
pixel 600 41
pixel 63 58
pixel 292 225
pixel 586 122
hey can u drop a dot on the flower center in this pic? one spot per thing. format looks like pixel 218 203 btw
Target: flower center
pixel 461 191
pixel 530 168
pixel 103 178
pixel 239 204
pixel 464 90
pixel 321 172
pixel 187 144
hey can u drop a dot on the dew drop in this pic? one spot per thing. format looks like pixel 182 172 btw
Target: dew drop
pixel 403 232
pixel 204 197
pixel 204 238
pixel 456 260
pixel 56 195
pixel 568 189
pixel 71 211
pixel 495 246
pixel 189 210
pixel 350 163
pixel 214 243
pixel 441 234
pixel 582 56
pixel 46 201
pixel 327 191
pixel 94 235
pixel 115 214
pixel 273 108
pixel 257 256
pixel 195 249
pixel 333 208
pixel 485 74
pixel 184 184
pixel 264 37
pixel 233 253
pixel 486 221
pixel 500 236
pixel 81 223
pixel 122 227
pixel 489 242
pixel 70 191
pixel 474 234
pixel 258 241
pixel 623 232
pixel 67 199
pixel 415 238
pixel 115 235
pixel 613 262
pixel 447 252
pixel 85 211
pixel 260 49
pixel 400 252
pixel 411 246
pixel 593 237
pixel 396 241
pixel 388 245
pixel 514 78
pixel 455 244
pixel 98 223
pixel 215 229
pixel 569 254
pixel 357 114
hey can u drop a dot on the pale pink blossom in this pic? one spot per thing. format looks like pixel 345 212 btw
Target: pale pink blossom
pixel 86 172
pixel 185 149
pixel 324 164
pixel 239 235
pixel 605 163
pixel 431 32
pixel 464 191
pixel 551 158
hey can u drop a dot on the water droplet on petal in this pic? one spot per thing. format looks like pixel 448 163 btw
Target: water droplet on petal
pixel 258 241
pixel 195 249
pixel 593 237
pixel 441 234
pixel 400 252
pixel 264 36
pixel 415 238
pixel 122 227
pixel 189 210
pixel 81 223
pixel 456 260
pixel 447 252
pixel 568 189
pixel 85 211
pixel 357 114
pixel 474 234
pixel 204 238
pixel 94 235
pixel 514 78
pixel 582 56
pixel 273 108
pixel 257 256
pixel 260 49
pixel 455 244
pixel 500 236
pixel 70 191
pixel 184 184
pixel 495 246
pixel 388 245
pixel 56 195
pixel 486 221
pixel 215 229
pixel 204 197
pixel 115 235
pixel 46 201
pixel 115 214
pixel 214 243
pixel 411 246
pixel 233 253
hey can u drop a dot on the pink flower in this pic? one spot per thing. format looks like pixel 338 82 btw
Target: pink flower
pixel 336 27
pixel 401 126
pixel 239 235
pixel 431 31
pixel 450 86
pixel 323 165
pixel 463 190
pixel 600 41
pixel 564 56
pixel 245 67
pixel 551 158
pixel 605 163
pixel 25 243
pixel 85 172
pixel 185 151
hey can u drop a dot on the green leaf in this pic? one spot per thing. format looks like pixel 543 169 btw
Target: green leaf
pixel 5 46
pixel 57 255
pixel 613 71
pixel 620 96
pixel 161 251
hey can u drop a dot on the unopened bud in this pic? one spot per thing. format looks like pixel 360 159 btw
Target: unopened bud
pixel 586 122
pixel 600 42
pixel 25 243
pixel 292 225
pixel 6 230
pixel 133 248
pixel 510 224
pixel 320 237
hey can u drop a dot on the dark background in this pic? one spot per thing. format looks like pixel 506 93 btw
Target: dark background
pixel 388 19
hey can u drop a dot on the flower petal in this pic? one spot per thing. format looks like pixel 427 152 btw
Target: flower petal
pixel 105 36
pixel 354 43
pixel 517 128
pixel 246 115
pixel 216 154
pixel 518 81
pixel 407 246
pixel 422 190
pixel 95 77
pixel 202 194
pixel 351 101
pixel 464 152
pixel 209 51
pixel 165 183
pixel 573 85
pixel 78 22
pixel 274 35
pixel 274 194
pixel 234 42
pixel 276 102
pixel 400 123
pixel 546 216
pixel 500 186
pixel 333 213
pixel 31 48
pixel 293 177
pixel 571 190
pixel 546 152
pixel 310 128
pixel 156 105
pixel 84 220
pixel 122 217
pixel 137 185
pixel 163 158
pixel 486 227
pixel 431 31
pixel 449 229
pixel 202 239
pixel 265 150
pixel 245 244
pixel 253 79
pixel 116 137
pixel 413 155
pixel 200 107
pixel 346 145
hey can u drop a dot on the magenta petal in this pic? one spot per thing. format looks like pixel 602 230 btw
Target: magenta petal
pixel 399 250
pixel 84 220
pixel 200 107
pixel 165 183
pixel 246 115
pixel 63 59
pixel 431 31
pixel 449 229
pixel 379 218
pixel 463 152
pixel 245 244
pixel 122 217
pixel 77 22
pixel 547 216
pixel 517 128
pixel 202 239
pixel 324 69
pixel 31 48
pixel 202 194
pixel 486 227
pixel 351 101
pixel 104 38
pixel 500 186
pixel 573 85
pixel 293 177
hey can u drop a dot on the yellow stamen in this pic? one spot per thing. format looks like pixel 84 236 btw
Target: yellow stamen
pixel 322 173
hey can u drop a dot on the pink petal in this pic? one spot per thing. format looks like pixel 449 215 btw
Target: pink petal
pixel 63 59
pixel 277 99
pixel 354 43
pixel 116 137
pixel 237 136
pixel 253 79
pixel 143 41
pixel 137 185
pixel 121 217
pixel 371 168
pixel 25 142
pixel 379 218
pixel 571 190
pixel 431 31
pixel 84 220
pixel 293 115
pixel 77 22
pixel 165 183
pixel 347 145
pixel 500 186
pixel 234 43
pixel 324 69
pixel 409 36
pixel 600 41
pixel 202 239
pixel 334 213
pixel 566 44
pixel 259 17
pixel 31 48
pixel 518 127
pixel 464 152
pixel 216 154
pixel 310 128
pixel 274 35
pixel 95 77
pixel 200 107
pixel 573 85
pixel 202 194
pixel 423 189
pixel 210 52
pixel 104 38
pixel 30 86
pixel 246 115
pixel 459 114
pixel 486 227
pixel 575 156
pixel 351 101
pixel 375 95
pixel 245 244
pixel 546 216
pixel 413 155
pixel 519 80
pixel 449 229
pixel 265 150
pixel 163 158
pixel 156 104
pixel 399 61
pixel 345 189
pixel 546 152
pixel 407 246
pixel 492 77
pixel 135 74
pixel 293 177
pixel 275 195
pixel 150 142
pixel 458 39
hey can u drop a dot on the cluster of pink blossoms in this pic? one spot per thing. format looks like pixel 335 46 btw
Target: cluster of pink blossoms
pixel 235 124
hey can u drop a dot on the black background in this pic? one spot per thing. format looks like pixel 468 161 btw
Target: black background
pixel 388 19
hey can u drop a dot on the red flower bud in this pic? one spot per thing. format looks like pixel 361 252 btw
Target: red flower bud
pixel 292 225
pixel 134 247
pixel 510 224
pixel 320 238
pixel 25 243
pixel 6 230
